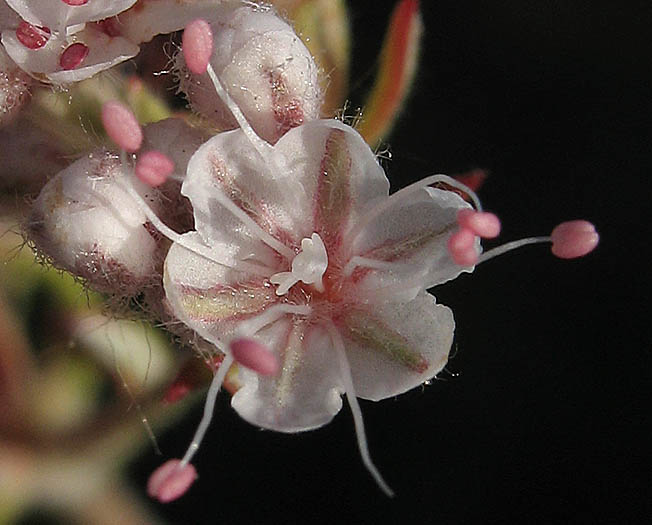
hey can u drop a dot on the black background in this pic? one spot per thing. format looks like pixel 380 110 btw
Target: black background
pixel 543 414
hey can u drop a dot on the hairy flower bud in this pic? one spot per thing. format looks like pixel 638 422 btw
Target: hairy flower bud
pixel 266 69
pixel 87 223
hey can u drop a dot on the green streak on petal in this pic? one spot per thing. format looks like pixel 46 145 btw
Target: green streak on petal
pixel 333 189
pixel 291 361
pixel 372 333
pixel 407 246
pixel 219 304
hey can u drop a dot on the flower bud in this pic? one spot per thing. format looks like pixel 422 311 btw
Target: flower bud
pixel 87 223
pixel 265 68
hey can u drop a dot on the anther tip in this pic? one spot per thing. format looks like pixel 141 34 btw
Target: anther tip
pixel 170 481
pixel 197 45
pixel 461 246
pixel 574 239
pixel 482 223
pixel 154 167
pixel 121 126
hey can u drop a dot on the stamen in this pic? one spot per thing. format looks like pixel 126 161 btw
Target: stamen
pixel 255 356
pixel 508 247
pixel 73 56
pixel 31 36
pixel 356 412
pixel 268 239
pixel 170 481
pixel 403 194
pixel 265 150
pixel 209 406
pixel 274 161
pixel 482 223
pixel 122 126
pixel 461 246
pixel 199 249
pixel 154 167
pixel 573 239
pixel 250 326
pixel 197 45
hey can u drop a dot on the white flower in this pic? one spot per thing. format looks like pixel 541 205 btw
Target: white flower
pixel 306 252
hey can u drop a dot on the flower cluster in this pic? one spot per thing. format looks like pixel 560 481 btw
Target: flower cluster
pixel 276 242
pixel 66 41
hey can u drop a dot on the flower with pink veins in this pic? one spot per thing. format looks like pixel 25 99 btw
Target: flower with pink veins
pixel 304 250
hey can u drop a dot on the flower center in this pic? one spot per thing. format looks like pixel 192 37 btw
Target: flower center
pixel 308 266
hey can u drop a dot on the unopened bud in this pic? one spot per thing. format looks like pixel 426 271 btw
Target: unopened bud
pixel 265 68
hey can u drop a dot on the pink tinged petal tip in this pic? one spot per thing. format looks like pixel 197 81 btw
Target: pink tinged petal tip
pixel 75 2
pixel 154 167
pixel 73 56
pixel 255 356
pixel 31 36
pixel 482 223
pixel 121 126
pixel 573 239
pixel 197 45
pixel 461 247
pixel 171 480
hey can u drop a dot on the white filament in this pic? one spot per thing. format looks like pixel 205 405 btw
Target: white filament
pixel 356 412
pixel 209 406
pixel 196 248
pixel 508 247
pixel 273 313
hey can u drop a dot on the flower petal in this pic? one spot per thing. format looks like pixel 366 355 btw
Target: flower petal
pixel 307 392
pixel 103 52
pixel 412 234
pixel 323 149
pixel 210 298
pixel 227 167
pixel 393 348
pixel 57 14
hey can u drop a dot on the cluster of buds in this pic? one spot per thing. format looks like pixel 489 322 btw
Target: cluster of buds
pixel 276 242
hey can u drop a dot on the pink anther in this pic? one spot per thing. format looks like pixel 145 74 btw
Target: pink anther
pixel 73 56
pixel 171 481
pixel 32 37
pixel 461 246
pixel 573 239
pixel 121 126
pixel 482 223
pixel 154 167
pixel 254 355
pixel 197 45
pixel 75 2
